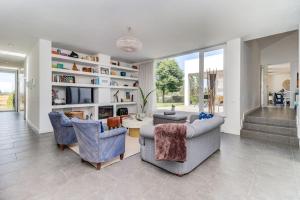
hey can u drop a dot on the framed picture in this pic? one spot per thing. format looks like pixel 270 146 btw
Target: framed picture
pixel 105 71
pixel 127 95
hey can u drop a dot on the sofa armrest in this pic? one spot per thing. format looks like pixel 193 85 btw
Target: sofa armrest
pixel 112 133
pixel 193 117
pixel 147 131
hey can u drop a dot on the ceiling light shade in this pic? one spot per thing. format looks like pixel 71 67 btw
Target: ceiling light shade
pixel 129 43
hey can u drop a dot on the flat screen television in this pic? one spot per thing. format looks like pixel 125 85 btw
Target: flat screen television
pixel 76 95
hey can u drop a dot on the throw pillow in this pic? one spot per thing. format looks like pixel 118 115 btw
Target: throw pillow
pixel 204 115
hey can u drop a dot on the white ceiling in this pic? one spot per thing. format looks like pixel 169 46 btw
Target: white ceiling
pixel 11 61
pixel 165 27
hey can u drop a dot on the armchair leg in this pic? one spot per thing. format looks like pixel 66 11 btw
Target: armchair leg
pixel 61 146
pixel 122 156
pixel 98 166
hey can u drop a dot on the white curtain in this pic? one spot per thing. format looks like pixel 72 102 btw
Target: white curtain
pixel 147 84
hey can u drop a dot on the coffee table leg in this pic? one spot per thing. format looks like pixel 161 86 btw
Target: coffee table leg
pixel 134 132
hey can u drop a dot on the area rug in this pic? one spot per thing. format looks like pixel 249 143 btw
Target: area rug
pixel 132 147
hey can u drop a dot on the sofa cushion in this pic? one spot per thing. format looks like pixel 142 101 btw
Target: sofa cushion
pixel 170 117
pixel 169 113
pixel 65 121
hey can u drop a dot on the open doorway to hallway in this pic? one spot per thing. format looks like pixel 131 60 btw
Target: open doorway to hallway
pixel 278 85
pixel 12 81
pixel 8 89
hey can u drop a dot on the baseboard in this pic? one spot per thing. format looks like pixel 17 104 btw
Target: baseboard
pixel 42 131
pixel 247 113
pixel 32 126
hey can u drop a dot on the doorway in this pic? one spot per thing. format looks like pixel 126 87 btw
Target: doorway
pixel 8 90
pixel 277 86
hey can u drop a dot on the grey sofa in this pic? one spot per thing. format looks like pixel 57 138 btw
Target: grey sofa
pixel 203 139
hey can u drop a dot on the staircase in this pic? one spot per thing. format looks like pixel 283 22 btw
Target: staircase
pixel 266 128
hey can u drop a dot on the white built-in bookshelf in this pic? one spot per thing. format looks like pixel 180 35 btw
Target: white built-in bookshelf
pixel 100 75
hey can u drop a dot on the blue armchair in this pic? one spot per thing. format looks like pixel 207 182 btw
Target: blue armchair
pixel 63 129
pixel 96 146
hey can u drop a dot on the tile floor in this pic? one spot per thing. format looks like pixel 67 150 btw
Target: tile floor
pixel 32 167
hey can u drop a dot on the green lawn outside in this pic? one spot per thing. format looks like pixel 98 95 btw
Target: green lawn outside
pixel 165 105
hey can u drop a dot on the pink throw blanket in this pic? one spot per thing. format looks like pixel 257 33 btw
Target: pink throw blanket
pixel 170 142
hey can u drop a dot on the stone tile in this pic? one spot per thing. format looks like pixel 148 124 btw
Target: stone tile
pixel 32 167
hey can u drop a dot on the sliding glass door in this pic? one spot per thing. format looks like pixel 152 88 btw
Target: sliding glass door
pixel 185 81
pixel 7 90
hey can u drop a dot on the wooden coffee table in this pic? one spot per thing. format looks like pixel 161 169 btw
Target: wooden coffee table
pixel 134 125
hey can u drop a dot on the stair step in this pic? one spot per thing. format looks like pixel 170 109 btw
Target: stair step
pixel 265 136
pixel 271 121
pixel 276 130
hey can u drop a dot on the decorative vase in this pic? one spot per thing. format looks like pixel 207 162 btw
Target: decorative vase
pixel 141 116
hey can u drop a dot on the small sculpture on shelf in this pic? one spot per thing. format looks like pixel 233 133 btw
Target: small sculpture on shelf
pixel 136 84
pixel 114 83
pixel 73 55
pixel 122 73
pixel 87 69
pixel 116 97
pixel 74 68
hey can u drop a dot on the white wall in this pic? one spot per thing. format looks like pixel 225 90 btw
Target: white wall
pixel 280 49
pixel 39 87
pixel 232 86
pixel 250 77
pixel 45 97
pixel 275 81
pixel 32 88
pixel 298 108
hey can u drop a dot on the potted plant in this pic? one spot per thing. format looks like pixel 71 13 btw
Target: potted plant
pixel 144 102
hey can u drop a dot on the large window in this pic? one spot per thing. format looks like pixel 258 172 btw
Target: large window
pixel 179 81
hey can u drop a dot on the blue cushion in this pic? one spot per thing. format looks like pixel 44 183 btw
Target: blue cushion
pixel 65 121
pixel 204 115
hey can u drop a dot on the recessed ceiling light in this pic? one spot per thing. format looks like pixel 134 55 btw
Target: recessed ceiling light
pixel 10 53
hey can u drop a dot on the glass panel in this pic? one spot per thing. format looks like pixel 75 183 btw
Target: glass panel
pixel 177 83
pixel 21 91
pixel 7 90
pixel 213 63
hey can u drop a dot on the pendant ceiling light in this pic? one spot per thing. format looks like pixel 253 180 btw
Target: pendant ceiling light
pixel 129 43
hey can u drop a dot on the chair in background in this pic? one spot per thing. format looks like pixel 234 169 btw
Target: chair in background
pixel 278 99
pixel 96 146
pixel 63 129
